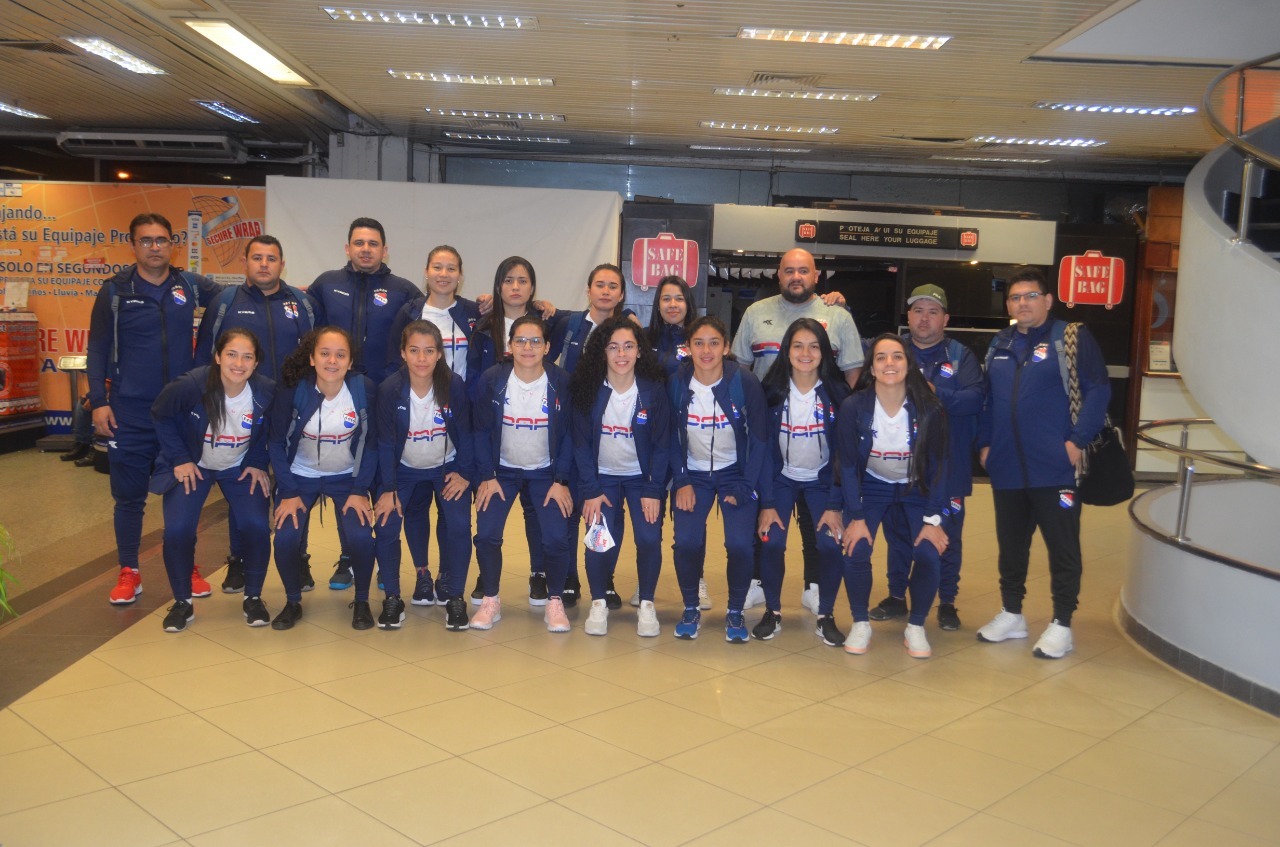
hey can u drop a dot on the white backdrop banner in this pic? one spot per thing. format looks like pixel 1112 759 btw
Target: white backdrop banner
pixel 563 233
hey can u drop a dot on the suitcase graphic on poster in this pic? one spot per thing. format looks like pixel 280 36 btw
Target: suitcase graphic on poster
pixel 1091 280
pixel 663 255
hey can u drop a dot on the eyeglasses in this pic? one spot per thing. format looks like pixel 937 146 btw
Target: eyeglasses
pixel 148 242
pixel 615 349
pixel 1030 297
pixel 533 343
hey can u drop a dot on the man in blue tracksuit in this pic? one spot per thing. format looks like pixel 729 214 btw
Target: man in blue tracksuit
pixel 363 298
pixel 140 339
pixel 278 315
pixel 956 377
pixel 1031 449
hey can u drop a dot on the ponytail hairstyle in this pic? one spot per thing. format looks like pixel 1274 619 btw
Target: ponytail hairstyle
pixel 214 396
pixel 777 381
pixel 716 324
pixel 593 366
pixel 622 301
pixel 445 248
pixel 656 321
pixel 929 440
pixel 441 376
pixel 297 366
pixel 494 323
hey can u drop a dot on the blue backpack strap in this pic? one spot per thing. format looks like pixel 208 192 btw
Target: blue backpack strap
pixel 115 327
pixel 737 394
pixel 955 352
pixel 571 327
pixel 189 283
pixel 222 304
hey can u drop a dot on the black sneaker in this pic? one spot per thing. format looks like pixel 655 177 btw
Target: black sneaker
pixel 611 598
pixel 289 615
pixel 255 612
pixel 455 614
pixel 362 615
pixel 573 590
pixel 233 582
pixel 180 614
pixel 342 576
pixel 477 593
pixel 829 632
pixel 889 608
pixel 769 626
pixel 424 590
pixel 392 614
pixel 442 589
pixel 308 582
pixel 948 617
pixel 537 589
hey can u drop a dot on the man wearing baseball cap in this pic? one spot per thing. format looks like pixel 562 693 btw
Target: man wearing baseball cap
pixel 956 377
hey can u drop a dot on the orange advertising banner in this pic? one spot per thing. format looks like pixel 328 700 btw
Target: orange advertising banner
pixel 64 239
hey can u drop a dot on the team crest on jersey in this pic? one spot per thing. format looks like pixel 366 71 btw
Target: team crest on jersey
pixel 824 324
pixel 956 505
pixel 946 370
pixel 380 297
pixel 291 310
pixel 439 417
pixel 179 296
pixel 1066 498
pixel 642 417
pixel 544 406
pixel 246 420
pixel 349 419
pixel 682 351
pixel 1040 353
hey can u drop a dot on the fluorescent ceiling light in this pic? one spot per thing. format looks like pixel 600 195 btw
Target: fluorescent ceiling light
pixel 477 136
pixel 809 94
pixel 220 108
pixel 1041 142
pixel 235 42
pixel 112 53
pixel 453 19
pixel 22 113
pixel 1164 111
pixel 471 79
pixel 745 127
pixel 1000 159
pixel 494 116
pixel 850 39
pixel 727 149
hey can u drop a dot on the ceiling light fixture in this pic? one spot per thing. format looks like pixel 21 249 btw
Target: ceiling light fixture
pixel 850 39
pixel 808 94
pixel 222 109
pixel 1163 111
pixel 494 116
pixel 244 48
pixel 112 53
pixel 453 19
pixel 745 127
pixel 1004 160
pixel 471 79
pixel 22 113
pixel 727 149
pixel 477 136
pixel 1040 142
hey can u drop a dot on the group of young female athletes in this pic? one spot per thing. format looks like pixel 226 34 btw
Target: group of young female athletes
pixel 585 418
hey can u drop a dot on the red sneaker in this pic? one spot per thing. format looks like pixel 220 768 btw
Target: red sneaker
pixel 199 585
pixel 128 587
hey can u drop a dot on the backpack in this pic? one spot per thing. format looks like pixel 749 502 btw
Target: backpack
pixel 1058 334
pixel 228 296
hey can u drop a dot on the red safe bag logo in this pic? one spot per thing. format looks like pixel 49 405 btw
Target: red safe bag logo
pixel 663 255
pixel 1091 280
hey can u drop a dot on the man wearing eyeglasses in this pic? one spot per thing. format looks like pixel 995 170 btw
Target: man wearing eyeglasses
pixel 140 338
pixel 1031 449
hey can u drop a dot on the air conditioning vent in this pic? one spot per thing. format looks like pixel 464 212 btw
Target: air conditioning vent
pixel 50 47
pixel 138 146
pixel 483 125
pixel 783 81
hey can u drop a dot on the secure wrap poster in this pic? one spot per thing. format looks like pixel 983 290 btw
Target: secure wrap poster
pixel 65 239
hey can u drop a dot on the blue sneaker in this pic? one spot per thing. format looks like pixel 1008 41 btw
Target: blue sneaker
pixel 424 593
pixel 342 576
pixel 735 628
pixel 689 624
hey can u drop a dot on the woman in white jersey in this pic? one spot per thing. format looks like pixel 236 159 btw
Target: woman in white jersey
pixel 211 424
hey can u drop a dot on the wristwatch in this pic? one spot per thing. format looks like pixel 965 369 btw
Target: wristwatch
pixel 933 520
pixel 563 482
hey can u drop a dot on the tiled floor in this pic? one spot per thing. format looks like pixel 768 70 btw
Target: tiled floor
pixel 224 735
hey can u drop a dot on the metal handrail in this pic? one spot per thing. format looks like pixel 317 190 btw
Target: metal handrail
pixel 1234 138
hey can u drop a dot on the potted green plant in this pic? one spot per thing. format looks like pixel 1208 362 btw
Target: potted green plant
pixel 6 556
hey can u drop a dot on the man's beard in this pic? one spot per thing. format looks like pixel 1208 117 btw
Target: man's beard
pixel 803 296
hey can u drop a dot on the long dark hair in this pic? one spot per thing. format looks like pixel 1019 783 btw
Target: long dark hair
pixel 214 394
pixel 929 442
pixel 593 366
pixel 297 365
pixel 777 382
pixel 716 324
pixel 493 324
pixel 441 376
pixel 607 266
pixel 656 323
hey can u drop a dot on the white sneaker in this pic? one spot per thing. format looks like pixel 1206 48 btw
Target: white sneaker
pixel 809 598
pixel 598 619
pixel 916 642
pixel 635 598
pixel 489 613
pixel 704 599
pixel 647 622
pixel 859 638
pixel 755 595
pixel 1055 643
pixel 1003 626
